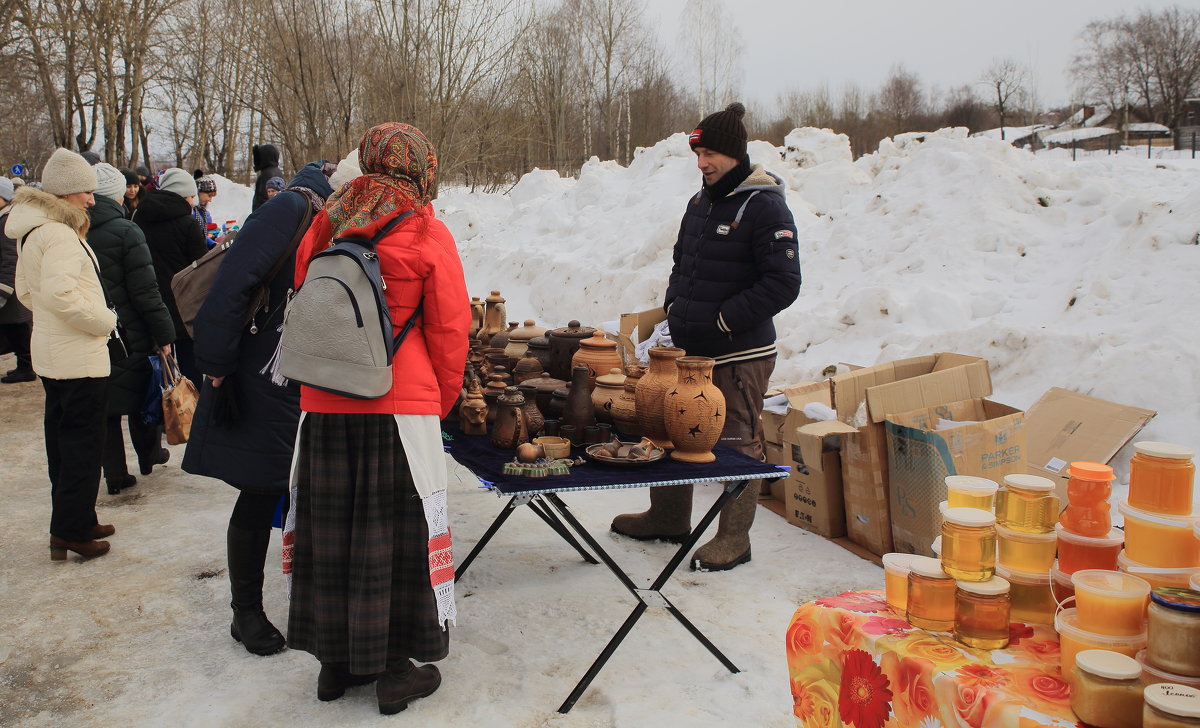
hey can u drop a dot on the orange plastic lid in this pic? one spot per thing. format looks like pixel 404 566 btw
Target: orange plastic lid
pixel 1090 471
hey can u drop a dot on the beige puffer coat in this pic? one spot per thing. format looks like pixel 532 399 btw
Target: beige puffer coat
pixel 56 279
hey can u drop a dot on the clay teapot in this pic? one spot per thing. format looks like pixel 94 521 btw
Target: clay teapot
pixel 500 339
pixel 477 308
pixel 511 427
pixel 472 414
pixel 532 413
pixel 494 316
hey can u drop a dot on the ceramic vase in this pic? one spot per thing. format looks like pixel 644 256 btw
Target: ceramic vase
pixel 599 355
pixel 526 368
pixel 539 348
pixel 533 415
pixel 563 343
pixel 511 427
pixel 624 408
pixel 494 316
pixel 609 388
pixel 694 410
pixel 578 410
pixel 652 388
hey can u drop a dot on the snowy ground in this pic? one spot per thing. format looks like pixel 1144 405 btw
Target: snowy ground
pixel 1079 274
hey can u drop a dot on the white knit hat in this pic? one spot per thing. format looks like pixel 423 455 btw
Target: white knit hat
pixel 109 181
pixel 178 181
pixel 6 189
pixel 66 173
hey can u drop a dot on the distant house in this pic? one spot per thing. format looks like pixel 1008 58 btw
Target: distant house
pixel 1018 136
pixel 1100 127
pixel 1187 131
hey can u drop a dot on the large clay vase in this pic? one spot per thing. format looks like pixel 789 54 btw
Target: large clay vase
pixel 694 410
pixel 609 388
pixel 494 316
pixel 624 408
pixel 599 355
pixel 477 308
pixel 563 343
pixel 652 388
pixel 511 427
pixel 578 410
pixel 472 414
pixel 533 415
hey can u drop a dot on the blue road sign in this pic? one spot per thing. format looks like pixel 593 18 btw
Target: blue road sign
pixel 18 170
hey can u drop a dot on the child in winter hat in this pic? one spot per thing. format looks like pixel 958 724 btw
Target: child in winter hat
pixel 109 181
pixel 66 173
pixel 174 179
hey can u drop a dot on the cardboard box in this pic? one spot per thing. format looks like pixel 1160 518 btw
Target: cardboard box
pixel 643 323
pixel 813 491
pixel 922 451
pixel 775 424
pixel 776 456
pixel 863 398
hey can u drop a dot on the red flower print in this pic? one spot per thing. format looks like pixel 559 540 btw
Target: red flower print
pixel 864 700
pixel 911 683
pixel 981 676
pixel 867 602
pixel 1018 631
pixel 1050 688
pixel 886 625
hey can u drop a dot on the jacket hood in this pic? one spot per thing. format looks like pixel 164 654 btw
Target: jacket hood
pixel 105 211
pixel 762 180
pixel 159 205
pixel 31 208
pixel 310 176
pixel 264 155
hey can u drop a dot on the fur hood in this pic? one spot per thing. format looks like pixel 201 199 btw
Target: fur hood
pixel 31 208
pixel 760 179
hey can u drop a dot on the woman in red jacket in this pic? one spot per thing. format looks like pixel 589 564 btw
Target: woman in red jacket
pixel 372 571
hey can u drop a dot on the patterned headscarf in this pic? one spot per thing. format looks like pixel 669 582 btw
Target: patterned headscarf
pixel 399 169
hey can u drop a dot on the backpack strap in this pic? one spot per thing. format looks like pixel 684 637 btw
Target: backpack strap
pixel 399 338
pixel 305 221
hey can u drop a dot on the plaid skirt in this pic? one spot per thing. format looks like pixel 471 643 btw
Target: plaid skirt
pixel 361 590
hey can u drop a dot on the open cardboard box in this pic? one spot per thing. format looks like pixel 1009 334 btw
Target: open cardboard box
pixel 635 328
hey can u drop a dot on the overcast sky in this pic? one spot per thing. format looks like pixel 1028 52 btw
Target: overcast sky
pixel 947 43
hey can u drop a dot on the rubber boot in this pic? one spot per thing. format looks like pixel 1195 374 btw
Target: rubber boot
pixel 731 546
pixel 669 517
pixel 247 553
pixel 404 682
pixel 335 677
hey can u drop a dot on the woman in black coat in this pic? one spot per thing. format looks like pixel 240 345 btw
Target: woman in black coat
pixel 175 240
pixel 266 163
pixel 244 429
pixel 128 275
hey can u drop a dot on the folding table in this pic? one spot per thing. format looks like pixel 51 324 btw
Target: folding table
pixel 542 496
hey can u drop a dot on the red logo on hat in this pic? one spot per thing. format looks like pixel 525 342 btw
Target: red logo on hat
pixel 694 137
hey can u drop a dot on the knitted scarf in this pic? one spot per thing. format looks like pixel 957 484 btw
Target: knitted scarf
pixel 399 170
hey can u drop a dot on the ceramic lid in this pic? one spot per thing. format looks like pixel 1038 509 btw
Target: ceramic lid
pixel 614 378
pixel 1164 450
pixel 545 382
pixel 971 484
pixel 1172 597
pixel 970 517
pixel 495 297
pixel 1173 699
pixel 1029 482
pixel 540 342
pixel 991 588
pixel 926 566
pixel 528 331
pixel 598 341
pixel 1108 664
pixel 573 330
pixel 1084 470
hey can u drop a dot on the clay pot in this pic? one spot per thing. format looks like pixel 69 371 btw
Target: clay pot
pixel 526 368
pixel 563 343
pixel 494 316
pixel 532 413
pixel 694 410
pixel 500 338
pixel 624 408
pixel 539 348
pixel 512 425
pixel 578 411
pixel 599 355
pixel 558 402
pixel 477 308
pixel 652 388
pixel 609 387
pixel 518 340
pixel 545 385
pixel 472 414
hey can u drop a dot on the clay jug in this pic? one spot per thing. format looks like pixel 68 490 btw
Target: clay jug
pixel 472 415
pixel 694 410
pixel 563 343
pixel 494 316
pixel 511 427
pixel 624 408
pixel 578 410
pixel 599 355
pixel 518 340
pixel 476 317
pixel 532 414
pixel 609 387
pixel 539 348
pixel 652 388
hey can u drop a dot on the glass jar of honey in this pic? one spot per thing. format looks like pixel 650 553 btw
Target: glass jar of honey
pixel 1171 706
pixel 895 579
pixel 1160 478
pixel 981 613
pixel 1106 689
pixel 1088 491
pixel 968 491
pixel 930 595
pixel 1173 630
pixel 969 543
pixel 1027 503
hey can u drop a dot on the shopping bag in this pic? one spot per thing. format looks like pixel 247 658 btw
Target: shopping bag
pixel 179 398
pixel 152 410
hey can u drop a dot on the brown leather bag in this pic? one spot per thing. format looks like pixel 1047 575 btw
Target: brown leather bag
pixel 179 402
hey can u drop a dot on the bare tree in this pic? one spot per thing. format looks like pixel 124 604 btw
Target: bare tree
pixel 901 101
pixel 1005 80
pixel 711 48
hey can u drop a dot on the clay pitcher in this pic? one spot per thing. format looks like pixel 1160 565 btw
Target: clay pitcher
pixel 500 339
pixel 477 308
pixel 563 343
pixel 578 410
pixel 512 425
pixel 652 388
pixel 694 410
pixel 472 415
pixel 624 408
pixel 609 387
pixel 532 414
pixel 494 316
pixel 599 355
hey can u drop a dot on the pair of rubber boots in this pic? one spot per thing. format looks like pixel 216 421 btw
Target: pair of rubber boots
pixel 670 519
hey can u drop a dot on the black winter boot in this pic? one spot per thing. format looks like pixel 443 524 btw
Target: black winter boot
pixel 335 677
pixel 403 683
pixel 247 554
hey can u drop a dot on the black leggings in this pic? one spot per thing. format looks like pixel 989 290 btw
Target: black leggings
pixel 254 510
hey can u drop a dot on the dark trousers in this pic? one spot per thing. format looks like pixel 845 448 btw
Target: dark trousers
pixel 146 440
pixel 17 336
pixel 744 385
pixel 75 424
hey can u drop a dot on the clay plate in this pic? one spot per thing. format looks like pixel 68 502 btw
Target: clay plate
pixel 592 453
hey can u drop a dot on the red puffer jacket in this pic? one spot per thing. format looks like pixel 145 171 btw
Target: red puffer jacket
pixel 418 258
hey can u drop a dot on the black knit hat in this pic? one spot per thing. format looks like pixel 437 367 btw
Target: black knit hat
pixel 722 132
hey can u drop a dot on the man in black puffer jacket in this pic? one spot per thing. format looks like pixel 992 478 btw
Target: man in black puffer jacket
pixel 266 163
pixel 736 266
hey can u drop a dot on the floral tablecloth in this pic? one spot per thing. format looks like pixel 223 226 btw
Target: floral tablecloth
pixel 854 662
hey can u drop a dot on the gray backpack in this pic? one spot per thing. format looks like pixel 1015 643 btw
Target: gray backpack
pixel 337 330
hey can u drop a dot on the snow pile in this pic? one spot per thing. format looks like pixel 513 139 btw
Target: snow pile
pixel 232 201
pixel 1078 135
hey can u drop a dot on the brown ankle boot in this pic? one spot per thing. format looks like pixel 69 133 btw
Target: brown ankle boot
pixel 403 683
pixel 335 677
pixel 669 517
pixel 86 549
pixel 101 530
pixel 731 546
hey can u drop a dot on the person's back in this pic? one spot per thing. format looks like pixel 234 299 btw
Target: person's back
pixel 266 163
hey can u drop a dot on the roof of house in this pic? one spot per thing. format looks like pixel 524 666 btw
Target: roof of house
pixel 1076 135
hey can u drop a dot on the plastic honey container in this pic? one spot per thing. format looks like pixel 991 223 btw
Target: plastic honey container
pixel 1157 576
pixel 895 579
pixel 1077 552
pixel 1152 674
pixel 1088 490
pixel 1161 541
pixel 1171 706
pixel 1073 640
pixel 1026 551
pixel 930 595
pixel 1106 689
pixel 981 613
pixel 1027 503
pixel 1160 478
pixel 969 543
pixel 1173 630
pixel 968 491
pixel 1111 602
pixel 1031 595
pixel 1060 585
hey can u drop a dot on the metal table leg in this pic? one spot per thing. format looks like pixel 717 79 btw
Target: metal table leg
pixel 542 512
pixel 546 514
